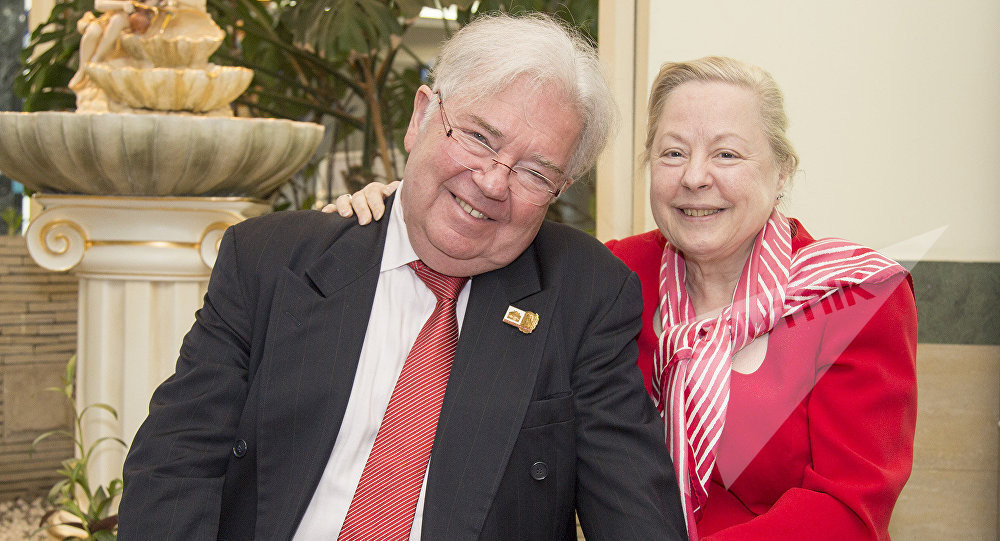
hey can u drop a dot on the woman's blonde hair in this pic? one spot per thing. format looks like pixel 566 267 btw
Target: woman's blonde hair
pixel 735 72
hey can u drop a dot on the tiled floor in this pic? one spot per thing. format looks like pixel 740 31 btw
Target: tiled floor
pixel 952 493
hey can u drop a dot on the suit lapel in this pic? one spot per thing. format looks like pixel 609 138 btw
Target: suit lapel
pixel 317 329
pixel 491 383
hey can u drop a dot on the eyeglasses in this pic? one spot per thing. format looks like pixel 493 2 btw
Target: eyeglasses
pixel 472 151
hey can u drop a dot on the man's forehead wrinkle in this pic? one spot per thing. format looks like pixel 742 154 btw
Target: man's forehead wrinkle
pixel 541 159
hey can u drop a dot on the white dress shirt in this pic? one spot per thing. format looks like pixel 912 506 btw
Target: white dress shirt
pixel 401 306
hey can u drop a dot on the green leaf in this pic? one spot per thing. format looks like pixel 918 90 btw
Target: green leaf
pixel 409 9
pixel 50 433
pixel 339 29
pixel 309 202
pixel 70 376
pixel 74 509
pixel 98 441
pixel 100 405
pixel 98 502
pixel 57 489
pixel 57 42
pixel 104 535
pixel 78 471
pixel 50 101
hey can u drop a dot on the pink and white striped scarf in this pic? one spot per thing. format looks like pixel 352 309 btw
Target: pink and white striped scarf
pixel 691 367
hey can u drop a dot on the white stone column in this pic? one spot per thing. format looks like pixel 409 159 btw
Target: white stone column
pixel 143 265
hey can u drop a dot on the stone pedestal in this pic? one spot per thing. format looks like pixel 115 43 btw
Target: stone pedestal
pixel 143 264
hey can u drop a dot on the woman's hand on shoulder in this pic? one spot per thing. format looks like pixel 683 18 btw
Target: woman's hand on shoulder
pixel 366 203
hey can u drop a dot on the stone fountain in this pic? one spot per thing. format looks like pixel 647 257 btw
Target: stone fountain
pixel 137 187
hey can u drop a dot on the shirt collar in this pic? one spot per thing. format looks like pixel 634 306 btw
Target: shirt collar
pixel 398 250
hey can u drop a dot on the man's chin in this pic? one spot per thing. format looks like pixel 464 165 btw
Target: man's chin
pixel 456 255
pixel 454 264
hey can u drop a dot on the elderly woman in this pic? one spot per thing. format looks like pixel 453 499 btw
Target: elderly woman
pixel 783 365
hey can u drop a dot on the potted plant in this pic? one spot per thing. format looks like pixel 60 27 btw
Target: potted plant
pixel 81 510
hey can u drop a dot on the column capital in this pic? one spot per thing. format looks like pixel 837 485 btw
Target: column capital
pixel 134 238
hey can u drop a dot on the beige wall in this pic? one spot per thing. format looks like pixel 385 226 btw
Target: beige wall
pixel 895 109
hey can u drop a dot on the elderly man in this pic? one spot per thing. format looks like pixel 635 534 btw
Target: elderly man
pixel 347 382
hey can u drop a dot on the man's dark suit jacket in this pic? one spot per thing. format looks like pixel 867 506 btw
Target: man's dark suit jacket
pixel 533 426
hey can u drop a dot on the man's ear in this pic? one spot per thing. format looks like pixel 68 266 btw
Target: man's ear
pixel 420 103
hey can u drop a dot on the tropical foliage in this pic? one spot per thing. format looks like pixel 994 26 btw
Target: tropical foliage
pixel 341 63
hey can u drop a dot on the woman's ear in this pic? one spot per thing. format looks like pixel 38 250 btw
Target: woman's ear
pixel 783 181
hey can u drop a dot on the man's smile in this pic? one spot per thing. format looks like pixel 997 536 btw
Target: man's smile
pixel 469 209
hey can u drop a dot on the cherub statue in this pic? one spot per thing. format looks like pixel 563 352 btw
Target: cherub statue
pixel 100 34
pixel 133 38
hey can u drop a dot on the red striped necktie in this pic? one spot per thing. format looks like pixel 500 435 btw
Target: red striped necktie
pixel 386 497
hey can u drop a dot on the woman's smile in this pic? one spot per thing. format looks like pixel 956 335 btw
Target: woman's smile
pixel 700 213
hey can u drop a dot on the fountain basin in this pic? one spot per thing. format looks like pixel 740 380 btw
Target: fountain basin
pixel 198 90
pixel 152 154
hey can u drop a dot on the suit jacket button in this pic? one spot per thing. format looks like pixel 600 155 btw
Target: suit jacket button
pixel 240 449
pixel 539 471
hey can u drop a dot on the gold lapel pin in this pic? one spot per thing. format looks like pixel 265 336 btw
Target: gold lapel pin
pixel 524 321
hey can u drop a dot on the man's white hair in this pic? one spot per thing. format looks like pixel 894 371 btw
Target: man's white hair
pixel 486 56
